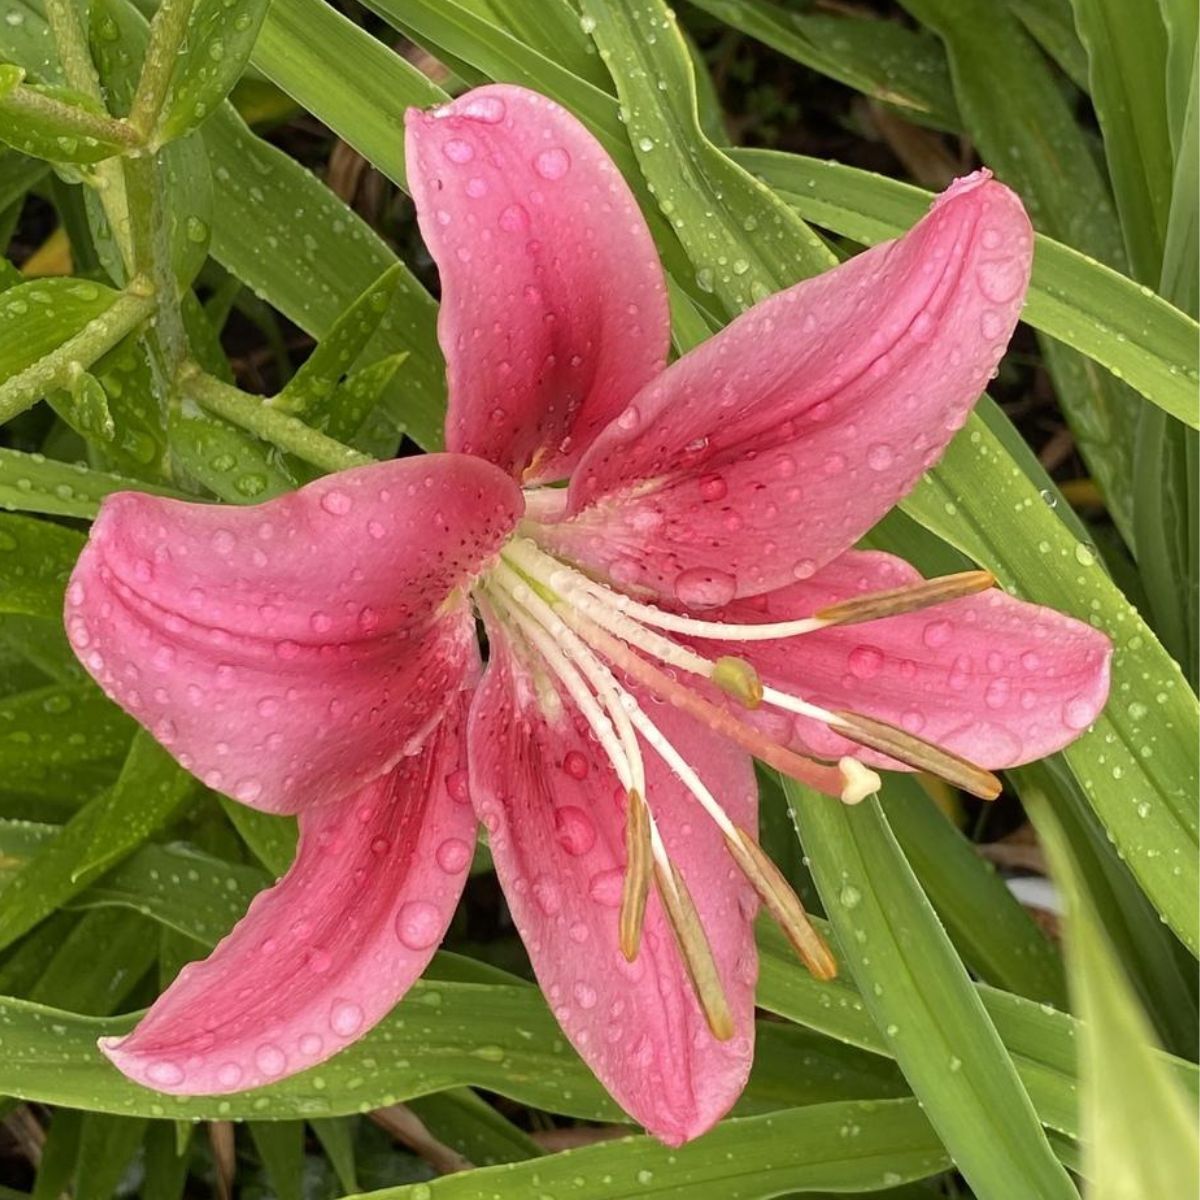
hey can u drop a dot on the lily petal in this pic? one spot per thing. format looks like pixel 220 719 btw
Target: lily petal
pixel 323 955
pixel 290 652
pixel 769 449
pixel 554 308
pixel 555 812
pixel 990 677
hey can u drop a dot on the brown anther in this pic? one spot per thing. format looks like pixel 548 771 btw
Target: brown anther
pixel 638 869
pixel 924 594
pixel 738 678
pixel 695 951
pixel 918 753
pixel 783 904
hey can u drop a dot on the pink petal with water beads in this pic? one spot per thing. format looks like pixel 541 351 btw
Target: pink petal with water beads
pixel 554 308
pixel 327 952
pixel 769 449
pixel 289 652
pixel 555 812
pixel 992 678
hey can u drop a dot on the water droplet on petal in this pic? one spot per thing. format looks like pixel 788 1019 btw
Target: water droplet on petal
pixel 345 1018
pixel 419 924
pixel 270 1059
pixel 458 151
pixel 703 587
pixel 552 163
pixel 164 1073
pixel 453 855
pixel 574 830
pixel 336 503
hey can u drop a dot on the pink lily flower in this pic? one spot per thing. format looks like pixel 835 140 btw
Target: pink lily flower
pixel 691 599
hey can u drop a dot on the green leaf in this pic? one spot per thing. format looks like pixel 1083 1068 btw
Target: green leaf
pixel 336 1135
pixel 166 1164
pixel 1137 765
pixel 280 1145
pixel 98 963
pixel 901 67
pixel 918 993
pixel 57 123
pixel 38 316
pixel 1052 24
pixel 149 790
pixel 338 257
pixel 58 1155
pixel 233 466
pixel 52 739
pixel 34 483
pixel 1162 971
pixel 314 384
pixel 835 1147
pixel 699 190
pixel 219 38
pixel 271 837
pixel 84 406
pixel 1019 118
pixel 1126 47
pixel 35 559
pixel 470 1125
pixel 1138 336
pixel 996 937
pixel 106 1147
pixel 1139 1127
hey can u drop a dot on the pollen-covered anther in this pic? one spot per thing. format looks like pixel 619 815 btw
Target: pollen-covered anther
pixel 738 678
pixel 783 904
pixel 912 598
pixel 695 950
pixel 916 752
pixel 639 868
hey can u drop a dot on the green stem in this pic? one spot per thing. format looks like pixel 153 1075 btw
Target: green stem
pixel 151 245
pixel 255 414
pixel 167 31
pixel 71 43
pixel 24 102
pixel 97 337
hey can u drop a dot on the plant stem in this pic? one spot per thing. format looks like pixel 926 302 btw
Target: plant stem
pixel 151 246
pixel 97 337
pixel 71 44
pixel 24 101
pixel 255 414
pixel 167 31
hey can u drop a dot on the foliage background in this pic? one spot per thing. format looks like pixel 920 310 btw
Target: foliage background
pixel 964 1054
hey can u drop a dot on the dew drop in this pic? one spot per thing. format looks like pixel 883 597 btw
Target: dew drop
pixel 703 587
pixel 337 503
pixel 419 924
pixel 345 1018
pixel 453 855
pixel 552 163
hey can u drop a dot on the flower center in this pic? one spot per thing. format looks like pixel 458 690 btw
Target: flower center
pixel 588 640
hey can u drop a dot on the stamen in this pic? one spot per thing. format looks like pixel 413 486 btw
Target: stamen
pixel 816 775
pixel 870 606
pixel 783 904
pixel 738 678
pixel 859 781
pixel 565 641
pixel 918 753
pixel 912 598
pixel 597 717
pixel 695 950
pixel 638 871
